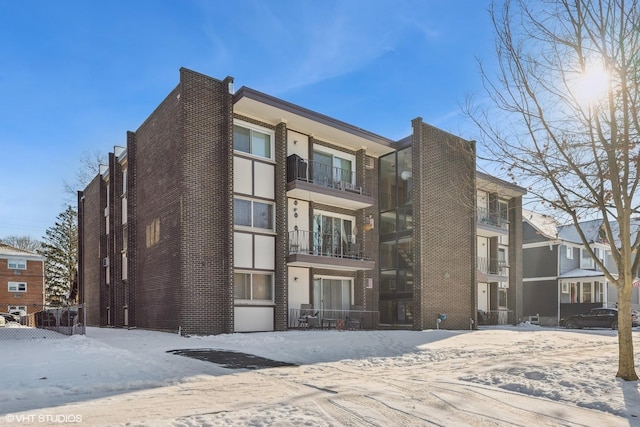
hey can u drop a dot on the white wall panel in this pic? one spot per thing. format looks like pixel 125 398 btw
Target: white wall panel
pixel 264 175
pixel 242 176
pixel 253 319
pixel 265 252
pixel 242 250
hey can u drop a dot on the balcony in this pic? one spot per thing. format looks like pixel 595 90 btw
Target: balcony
pixel 491 223
pixel 318 182
pixel 494 269
pixel 316 250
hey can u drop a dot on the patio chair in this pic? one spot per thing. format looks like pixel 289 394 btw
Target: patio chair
pixel 356 317
pixel 307 318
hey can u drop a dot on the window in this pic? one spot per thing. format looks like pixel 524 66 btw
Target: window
pixel 503 212
pixel 21 308
pixel 331 294
pixel 252 141
pixel 124 183
pixel 251 213
pixel 125 265
pixel 585 259
pixel 586 292
pixel 569 252
pixel 502 297
pixel 17 264
pixel 253 286
pixel 17 287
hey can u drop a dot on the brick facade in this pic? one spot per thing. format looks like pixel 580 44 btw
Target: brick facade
pixel 444 228
pixel 178 236
pixel 32 276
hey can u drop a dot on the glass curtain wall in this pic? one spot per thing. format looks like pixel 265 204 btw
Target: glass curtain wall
pixel 396 238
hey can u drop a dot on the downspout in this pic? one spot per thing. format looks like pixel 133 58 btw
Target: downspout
pixel 558 284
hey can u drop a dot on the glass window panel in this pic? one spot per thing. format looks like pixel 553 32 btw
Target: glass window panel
pixel 388 222
pixel 242 212
pixel 405 173
pixel 242 286
pixel 241 139
pixel 387 182
pixel 342 169
pixel 388 254
pixel 322 169
pixel 586 292
pixel 327 235
pixel 262 287
pixel 261 144
pixel 262 215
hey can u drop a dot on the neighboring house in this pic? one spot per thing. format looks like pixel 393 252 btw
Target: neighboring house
pixel 227 212
pixel 560 277
pixel 22 281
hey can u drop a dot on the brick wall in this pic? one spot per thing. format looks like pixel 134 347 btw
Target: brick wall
pixel 157 217
pixel 32 276
pixel 444 227
pixel 206 190
pixel 90 219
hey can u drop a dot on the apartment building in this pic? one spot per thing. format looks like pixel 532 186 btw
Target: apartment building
pixel 22 279
pixel 227 211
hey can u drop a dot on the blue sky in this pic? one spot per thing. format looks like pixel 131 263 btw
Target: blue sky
pixel 77 74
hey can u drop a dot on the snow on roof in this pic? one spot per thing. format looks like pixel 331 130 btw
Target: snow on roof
pixel 591 230
pixel 545 224
pixel 10 251
pixel 573 274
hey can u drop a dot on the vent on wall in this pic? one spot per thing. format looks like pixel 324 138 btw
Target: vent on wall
pixel 369 162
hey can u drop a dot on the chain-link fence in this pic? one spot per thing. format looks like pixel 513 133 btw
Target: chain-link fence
pixel 37 321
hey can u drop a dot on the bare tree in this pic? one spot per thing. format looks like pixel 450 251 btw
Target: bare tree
pixel 562 116
pixel 89 166
pixel 25 243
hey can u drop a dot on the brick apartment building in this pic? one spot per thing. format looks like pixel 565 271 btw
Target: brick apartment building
pixel 227 211
pixel 22 280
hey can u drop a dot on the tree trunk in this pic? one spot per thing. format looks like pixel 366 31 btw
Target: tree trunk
pixel 626 367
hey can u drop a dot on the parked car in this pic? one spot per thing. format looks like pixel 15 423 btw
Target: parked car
pixel 597 318
pixel 2 321
pixel 8 317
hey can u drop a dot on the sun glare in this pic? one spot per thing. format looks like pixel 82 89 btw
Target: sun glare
pixel 592 85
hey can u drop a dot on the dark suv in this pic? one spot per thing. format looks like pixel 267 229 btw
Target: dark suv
pixel 596 318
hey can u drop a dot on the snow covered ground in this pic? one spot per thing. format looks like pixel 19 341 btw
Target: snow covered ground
pixel 521 376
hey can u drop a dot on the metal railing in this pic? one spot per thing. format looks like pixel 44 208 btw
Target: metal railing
pixel 333 319
pixel 496 317
pixel 493 266
pixel 37 321
pixel 322 244
pixel 299 169
pixel 493 218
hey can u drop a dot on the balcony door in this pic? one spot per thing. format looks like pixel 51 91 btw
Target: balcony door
pixel 330 170
pixel 331 235
pixel 331 294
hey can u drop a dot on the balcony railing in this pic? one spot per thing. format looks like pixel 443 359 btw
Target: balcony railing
pixel 496 317
pixel 493 218
pixel 299 169
pixel 493 266
pixel 332 319
pixel 315 243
